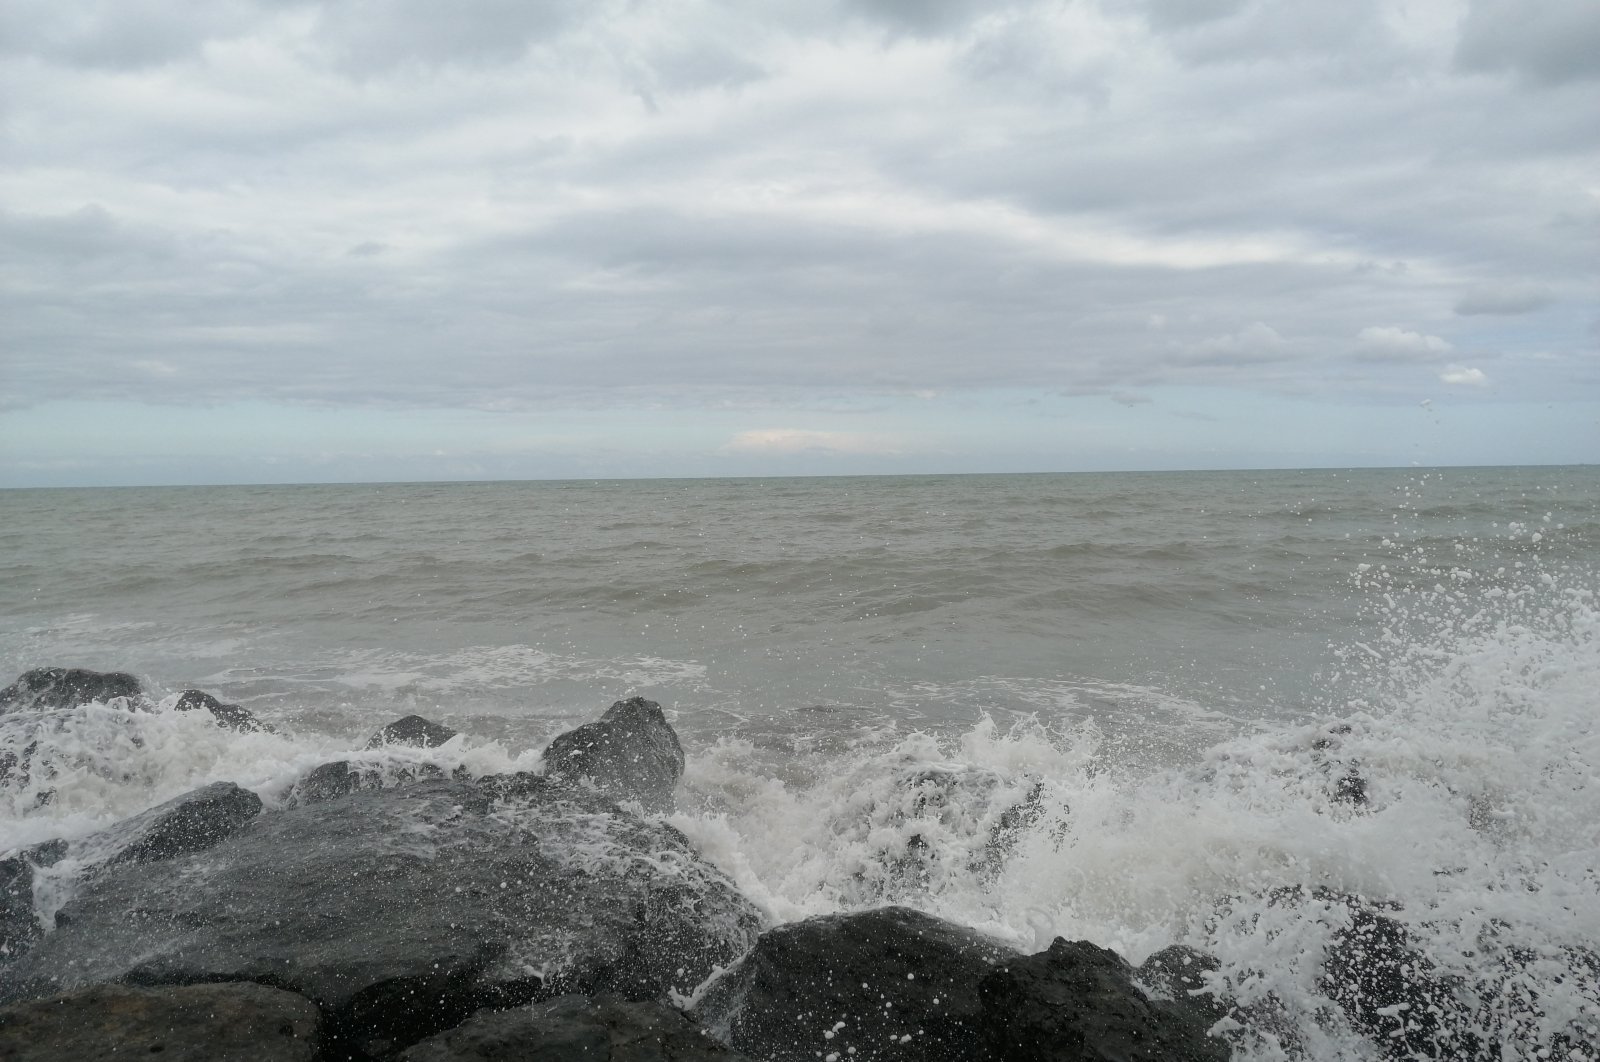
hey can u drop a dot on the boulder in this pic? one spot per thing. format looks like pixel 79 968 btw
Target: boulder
pixel 192 822
pixel 631 753
pixel 45 688
pixel 400 911
pixel 1077 1002
pixel 19 924
pixel 333 780
pixel 193 1023
pixel 891 982
pixel 412 730
pixel 229 715
pixel 575 1029
pixel 1386 987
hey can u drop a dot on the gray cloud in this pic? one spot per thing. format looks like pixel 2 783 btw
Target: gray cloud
pixel 1503 299
pixel 507 205
pixel 1550 42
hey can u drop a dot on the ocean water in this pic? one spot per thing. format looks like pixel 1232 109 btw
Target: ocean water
pixel 1175 671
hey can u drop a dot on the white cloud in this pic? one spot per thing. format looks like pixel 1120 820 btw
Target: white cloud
pixel 1388 343
pixel 800 441
pixel 1463 376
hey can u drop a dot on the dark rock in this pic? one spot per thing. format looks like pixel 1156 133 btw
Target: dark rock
pixel 19 925
pixel 192 822
pixel 1386 987
pixel 575 1029
pixel 1177 974
pixel 195 1023
pixel 1077 1003
pixel 65 687
pixel 412 730
pixel 886 983
pixel 229 715
pixel 341 777
pixel 400 911
pixel 632 753
pixel 327 782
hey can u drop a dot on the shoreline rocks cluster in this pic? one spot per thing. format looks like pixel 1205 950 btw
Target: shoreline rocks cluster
pixel 556 916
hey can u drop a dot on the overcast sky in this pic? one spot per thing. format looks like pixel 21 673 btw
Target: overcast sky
pixel 290 240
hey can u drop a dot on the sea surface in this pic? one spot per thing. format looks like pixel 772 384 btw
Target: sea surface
pixel 1177 668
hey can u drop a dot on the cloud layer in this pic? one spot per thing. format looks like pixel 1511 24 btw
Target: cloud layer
pixel 512 205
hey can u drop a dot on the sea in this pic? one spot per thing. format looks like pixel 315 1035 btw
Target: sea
pixel 1177 675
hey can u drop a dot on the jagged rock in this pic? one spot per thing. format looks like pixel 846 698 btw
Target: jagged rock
pixel 327 782
pixel 1077 1002
pixel 19 925
pixel 400 911
pixel 333 780
pixel 631 753
pixel 412 730
pixel 1386 987
pixel 192 822
pixel 193 1023
pixel 229 715
pixel 575 1029
pixel 1178 973
pixel 892 982
pixel 65 687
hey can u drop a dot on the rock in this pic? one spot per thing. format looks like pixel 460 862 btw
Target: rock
pixel 400 911
pixel 1387 987
pixel 333 780
pixel 574 1029
pixel 194 1023
pixel 229 715
pixel 632 753
pixel 327 782
pixel 192 822
pixel 412 730
pixel 46 688
pixel 892 982
pixel 19 925
pixel 1077 1003
pixel 1177 974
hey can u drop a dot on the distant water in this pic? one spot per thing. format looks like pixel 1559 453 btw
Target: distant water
pixel 1156 654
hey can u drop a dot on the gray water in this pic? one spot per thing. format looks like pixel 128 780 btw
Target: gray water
pixel 1174 669
pixel 748 602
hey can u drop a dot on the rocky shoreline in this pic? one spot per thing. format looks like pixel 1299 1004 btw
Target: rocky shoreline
pixel 431 917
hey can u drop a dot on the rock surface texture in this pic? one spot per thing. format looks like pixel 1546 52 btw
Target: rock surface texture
pixel 412 730
pixel 229 715
pixel 46 688
pixel 401 911
pixel 889 983
pixel 194 1023
pixel 631 753
pixel 1078 1001
pixel 575 1029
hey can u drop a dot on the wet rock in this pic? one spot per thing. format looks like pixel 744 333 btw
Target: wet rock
pixel 575 1029
pixel 412 730
pixel 229 715
pixel 400 911
pixel 631 753
pixel 342 777
pixel 1386 987
pixel 1179 976
pixel 1178 973
pixel 194 1023
pixel 1078 1002
pixel 886 983
pixel 19 925
pixel 192 822
pixel 327 782
pixel 46 688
